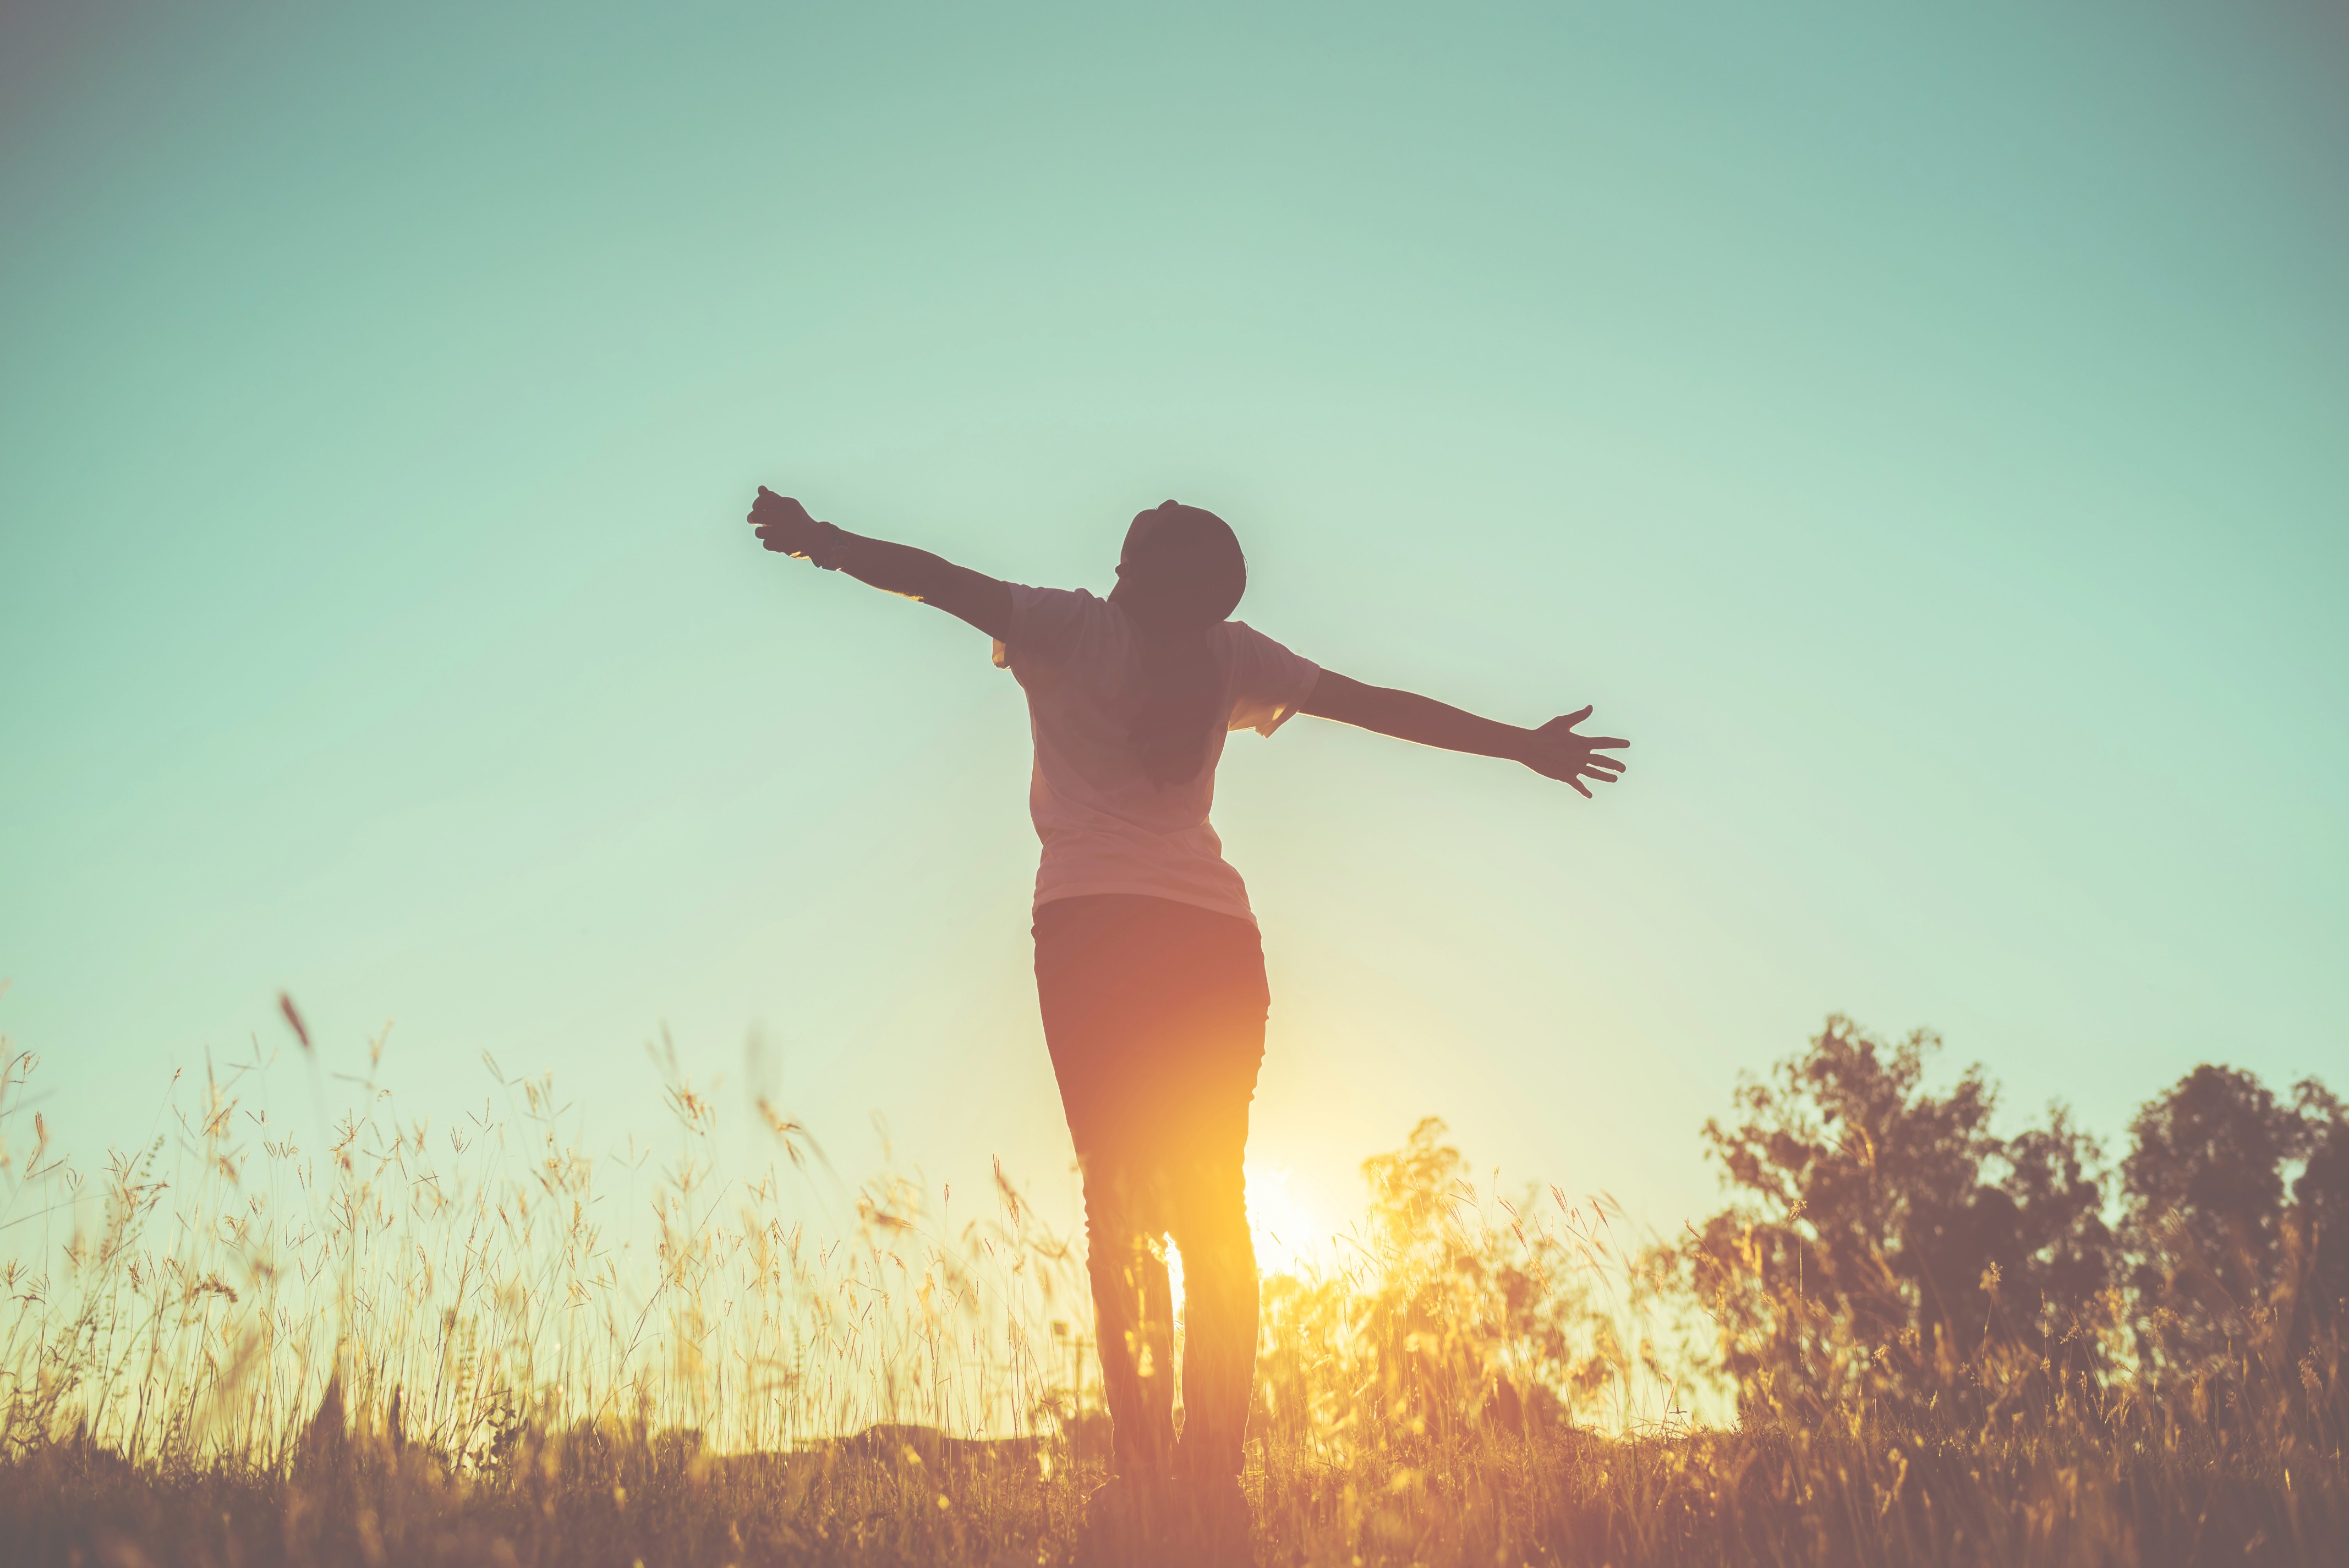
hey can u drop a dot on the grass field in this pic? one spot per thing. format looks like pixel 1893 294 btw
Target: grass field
pixel 421 1346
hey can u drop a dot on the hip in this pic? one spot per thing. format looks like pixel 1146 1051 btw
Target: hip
pixel 1152 960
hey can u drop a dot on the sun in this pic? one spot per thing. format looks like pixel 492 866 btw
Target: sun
pixel 1290 1236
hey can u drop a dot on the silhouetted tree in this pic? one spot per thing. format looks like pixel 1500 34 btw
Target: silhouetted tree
pixel 1879 1230
pixel 2228 1246
pixel 2319 1220
pixel 1882 1239
pixel 2205 1186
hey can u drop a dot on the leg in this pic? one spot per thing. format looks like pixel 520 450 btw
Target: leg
pixel 1133 1315
pixel 1219 1315
pixel 1090 960
pixel 1155 1012
pixel 1223 1046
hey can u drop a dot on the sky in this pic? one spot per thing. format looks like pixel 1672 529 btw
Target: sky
pixel 1923 431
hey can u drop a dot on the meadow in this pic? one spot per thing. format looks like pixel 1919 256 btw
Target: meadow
pixel 1907 1338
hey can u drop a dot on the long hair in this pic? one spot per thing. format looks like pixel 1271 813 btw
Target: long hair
pixel 1183 573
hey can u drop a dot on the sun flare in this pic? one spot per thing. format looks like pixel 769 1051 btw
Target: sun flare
pixel 1291 1234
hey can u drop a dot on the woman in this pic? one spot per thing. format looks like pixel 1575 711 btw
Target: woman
pixel 1147 960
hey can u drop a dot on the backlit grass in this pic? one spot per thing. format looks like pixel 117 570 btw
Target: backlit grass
pixel 429 1345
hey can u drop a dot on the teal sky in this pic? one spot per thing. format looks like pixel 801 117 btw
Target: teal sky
pixel 1926 435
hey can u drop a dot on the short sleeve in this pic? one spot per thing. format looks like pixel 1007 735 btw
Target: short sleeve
pixel 1268 682
pixel 1046 624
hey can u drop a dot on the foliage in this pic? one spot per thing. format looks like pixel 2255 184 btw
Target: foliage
pixel 1456 1309
pixel 2225 1243
pixel 1878 1228
pixel 1890 1265
pixel 428 1348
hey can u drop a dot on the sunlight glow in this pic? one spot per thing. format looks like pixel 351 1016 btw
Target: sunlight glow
pixel 1290 1233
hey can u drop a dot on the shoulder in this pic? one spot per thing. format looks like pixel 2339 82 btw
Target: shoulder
pixel 1244 643
pixel 1268 683
pixel 1053 610
pixel 1030 600
pixel 1267 679
pixel 1051 623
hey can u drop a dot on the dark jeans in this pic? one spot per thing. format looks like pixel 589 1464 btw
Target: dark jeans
pixel 1155 1012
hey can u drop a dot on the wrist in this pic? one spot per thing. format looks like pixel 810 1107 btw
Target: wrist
pixel 828 545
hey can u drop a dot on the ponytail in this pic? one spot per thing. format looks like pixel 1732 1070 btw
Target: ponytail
pixel 1182 575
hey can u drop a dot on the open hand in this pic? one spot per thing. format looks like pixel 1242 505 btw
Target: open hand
pixel 1555 751
pixel 783 524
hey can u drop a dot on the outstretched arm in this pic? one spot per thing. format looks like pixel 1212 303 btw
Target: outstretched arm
pixel 1553 751
pixel 784 526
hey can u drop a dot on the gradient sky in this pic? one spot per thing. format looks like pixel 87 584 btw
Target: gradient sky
pixel 1925 435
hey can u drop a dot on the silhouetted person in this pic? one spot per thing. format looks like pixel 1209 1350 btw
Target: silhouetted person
pixel 1148 964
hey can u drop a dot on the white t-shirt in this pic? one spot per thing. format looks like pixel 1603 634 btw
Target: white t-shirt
pixel 1106 826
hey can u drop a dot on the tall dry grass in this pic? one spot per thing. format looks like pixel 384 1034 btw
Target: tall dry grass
pixel 411 1344
pixel 206 1290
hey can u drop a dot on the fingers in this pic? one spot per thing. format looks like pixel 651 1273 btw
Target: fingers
pixel 780 522
pixel 1582 788
pixel 1566 721
pixel 1576 754
pixel 1595 769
